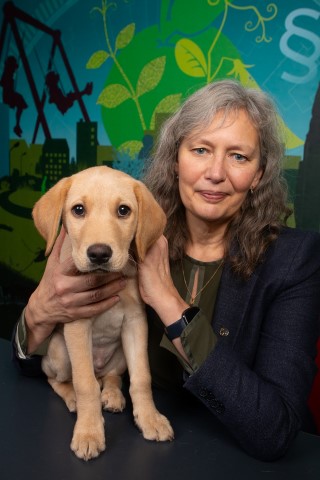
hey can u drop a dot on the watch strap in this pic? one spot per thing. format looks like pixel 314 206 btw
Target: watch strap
pixel 175 329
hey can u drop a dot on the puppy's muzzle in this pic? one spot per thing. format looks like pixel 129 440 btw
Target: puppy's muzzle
pixel 99 253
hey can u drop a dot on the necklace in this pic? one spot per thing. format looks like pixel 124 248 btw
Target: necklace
pixel 193 297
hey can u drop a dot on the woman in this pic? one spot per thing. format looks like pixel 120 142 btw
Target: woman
pixel 233 295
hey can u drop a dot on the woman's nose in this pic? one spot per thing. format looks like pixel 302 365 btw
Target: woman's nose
pixel 216 169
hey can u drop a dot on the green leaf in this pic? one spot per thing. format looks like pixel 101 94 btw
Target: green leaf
pixel 125 36
pixel 113 95
pixel 168 105
pixel 150 75
pixel 97 59
pixel 190 58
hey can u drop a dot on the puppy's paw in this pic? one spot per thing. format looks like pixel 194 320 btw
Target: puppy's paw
pixel 113 400
pixel 155 426
pixel 88 443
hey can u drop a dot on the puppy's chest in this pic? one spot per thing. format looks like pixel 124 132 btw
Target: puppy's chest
pixel 106 338
pixel 106 328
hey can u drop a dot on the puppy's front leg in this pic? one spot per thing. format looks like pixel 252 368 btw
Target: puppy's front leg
pixel 88 435
pixel 152 423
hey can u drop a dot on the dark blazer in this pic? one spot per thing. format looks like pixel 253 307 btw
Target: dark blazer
pixel 258 377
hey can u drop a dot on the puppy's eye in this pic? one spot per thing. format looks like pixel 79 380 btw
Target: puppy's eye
pixel 78 210
pixel 124 211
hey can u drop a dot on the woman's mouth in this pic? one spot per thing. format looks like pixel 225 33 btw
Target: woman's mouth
pixel 212 196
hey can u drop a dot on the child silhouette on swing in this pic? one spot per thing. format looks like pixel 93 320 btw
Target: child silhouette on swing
pixel 9 95
pixel 56 96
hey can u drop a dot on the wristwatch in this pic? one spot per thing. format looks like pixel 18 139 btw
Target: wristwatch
pixel 175 329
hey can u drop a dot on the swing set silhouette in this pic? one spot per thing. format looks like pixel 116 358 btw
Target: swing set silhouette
pixel 52 91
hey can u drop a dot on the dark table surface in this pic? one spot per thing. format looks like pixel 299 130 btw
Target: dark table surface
pixel 36 430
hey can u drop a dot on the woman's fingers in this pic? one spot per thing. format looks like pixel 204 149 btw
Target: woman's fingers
pixel 87 283
pixel 92 309
pixel 89 293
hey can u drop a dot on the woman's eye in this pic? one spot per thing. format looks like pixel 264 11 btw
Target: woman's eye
pixel 78 210
pixel 239 157
pixel 124 211
pixel 200 150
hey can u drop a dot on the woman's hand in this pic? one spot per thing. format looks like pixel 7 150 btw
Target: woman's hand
pixel 156 285
pixel 157 288
pixel 64 295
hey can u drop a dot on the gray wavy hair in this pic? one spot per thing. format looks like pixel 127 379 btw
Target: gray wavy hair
pixel 263 213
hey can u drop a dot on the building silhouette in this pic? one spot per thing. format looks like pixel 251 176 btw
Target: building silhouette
pixel 54 161
pixel 87 143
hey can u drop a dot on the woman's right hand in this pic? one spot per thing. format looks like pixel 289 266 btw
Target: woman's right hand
pixel 156 285
pixel 64 295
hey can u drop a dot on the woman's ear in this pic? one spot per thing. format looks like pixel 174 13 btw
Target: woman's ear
pixel 151 220
pixel 47 212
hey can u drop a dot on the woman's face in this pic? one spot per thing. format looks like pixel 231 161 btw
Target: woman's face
pixel 217 166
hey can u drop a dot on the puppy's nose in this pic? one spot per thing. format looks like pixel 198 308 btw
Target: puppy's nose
pixel 99 253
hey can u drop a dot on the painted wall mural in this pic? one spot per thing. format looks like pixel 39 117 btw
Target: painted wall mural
pixel 89 82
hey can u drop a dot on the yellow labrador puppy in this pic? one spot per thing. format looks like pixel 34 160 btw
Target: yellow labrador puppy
pixel 111 220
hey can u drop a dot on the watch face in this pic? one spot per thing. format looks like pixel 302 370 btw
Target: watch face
pixel 190 313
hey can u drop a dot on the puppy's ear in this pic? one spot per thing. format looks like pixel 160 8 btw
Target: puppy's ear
pixel 151 220
pixel 47 211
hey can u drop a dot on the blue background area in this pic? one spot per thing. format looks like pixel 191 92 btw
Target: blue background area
pixel 293 100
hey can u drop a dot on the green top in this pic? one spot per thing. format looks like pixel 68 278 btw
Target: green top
pixel 191 278
pixel 198 338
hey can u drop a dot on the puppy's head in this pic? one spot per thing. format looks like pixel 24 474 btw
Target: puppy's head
pixel 105 212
